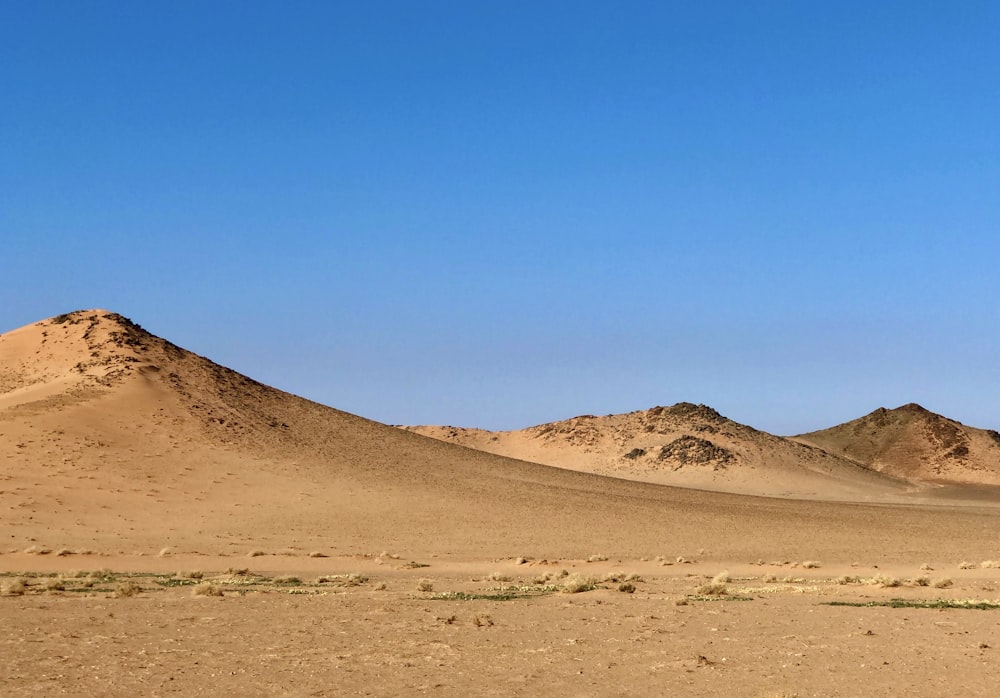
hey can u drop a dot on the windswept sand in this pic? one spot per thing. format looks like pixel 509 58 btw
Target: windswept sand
pixel 122 451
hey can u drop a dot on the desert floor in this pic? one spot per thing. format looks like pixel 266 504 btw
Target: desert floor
pixel 386 624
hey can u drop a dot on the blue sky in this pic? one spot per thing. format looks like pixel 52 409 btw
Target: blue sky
pixel 499 214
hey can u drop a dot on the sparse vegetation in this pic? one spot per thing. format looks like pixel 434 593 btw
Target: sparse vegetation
pixel 911 603
pixel 15 587
pixel 207 589
pixel 575 583
pixel 126 589
pixel 425 585
pixel 342 580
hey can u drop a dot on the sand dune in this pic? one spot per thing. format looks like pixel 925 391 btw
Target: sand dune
pixel 914 443
pixel 112 438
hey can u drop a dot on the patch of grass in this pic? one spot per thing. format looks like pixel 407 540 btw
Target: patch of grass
pixel 502 594
pixel 909 603
pixel 288 580
pixel 170 583
pixel 342 580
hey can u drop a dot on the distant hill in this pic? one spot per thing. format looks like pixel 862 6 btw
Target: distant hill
pixel 914 443
pixel 684 445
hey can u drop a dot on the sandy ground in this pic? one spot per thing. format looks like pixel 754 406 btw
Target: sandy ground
pixel 771 634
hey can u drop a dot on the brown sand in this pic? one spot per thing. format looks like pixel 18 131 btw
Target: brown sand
pixel 116 446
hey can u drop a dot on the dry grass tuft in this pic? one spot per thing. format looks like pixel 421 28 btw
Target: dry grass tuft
pixel 576 583
pixel 165 552
pixel 482 621
pixel 316 553
pixel 63 552
pixel 965 565
pixel 15 587
pixel 342 580
pixel 425 585
pixel 126 589
pixel 627 588
pixel 287 579
pixel 597 558
pixel 990 564
pixel 811 565
pixel 499 577
pixel 54 584
pixel 721 578
pixel 193 574
pixel 256 553
pixel 941 583
pixel 712 589
pixel 207 589
pixel 926 568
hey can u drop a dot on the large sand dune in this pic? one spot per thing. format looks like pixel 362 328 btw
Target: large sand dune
pixel 113 438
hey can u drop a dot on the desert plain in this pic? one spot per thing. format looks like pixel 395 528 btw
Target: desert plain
pixel 170 526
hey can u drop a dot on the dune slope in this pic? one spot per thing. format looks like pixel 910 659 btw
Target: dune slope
pixel 116 440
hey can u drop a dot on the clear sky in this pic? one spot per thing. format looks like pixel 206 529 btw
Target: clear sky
pixel 503 213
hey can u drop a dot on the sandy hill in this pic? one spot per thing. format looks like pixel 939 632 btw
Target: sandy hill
pixel 116 440
pixel 914 443
pixel 684 445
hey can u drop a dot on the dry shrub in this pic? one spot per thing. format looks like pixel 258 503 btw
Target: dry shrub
pixel 919 581
pixel 811 564
pixel 15 587
pixel 770 578
pixel 126 589
pixel 54 584
pixel 165 552
pixel 575 583
pixel 482 621
pixel 207 589
pixel 499 577
pixel 193 574
pixel 712 589
pixel 287 579
pixel 627 588
pixel 926 568
pixel 941 583
pixel 964 565
pixel 847 579
pixel 256 553
pixel 990 564
pixel 425 585
pixel 342 580
pixel 316 553
pixel 63 552
pixel 721 578
pixel 882 580
pixel 597 558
